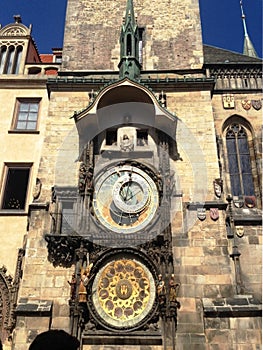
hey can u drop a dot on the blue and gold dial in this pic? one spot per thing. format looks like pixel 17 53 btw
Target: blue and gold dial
pixel 125 199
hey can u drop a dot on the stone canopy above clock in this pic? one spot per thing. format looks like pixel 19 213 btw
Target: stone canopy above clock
pixel 123 104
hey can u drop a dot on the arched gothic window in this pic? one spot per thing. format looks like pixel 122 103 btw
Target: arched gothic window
pixel 239 162
pixel 129 45
pixel 10 58
pixel 2 58
pixel 17 59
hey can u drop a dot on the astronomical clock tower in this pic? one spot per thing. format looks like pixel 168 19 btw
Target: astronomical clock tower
pixel 118 217
pixel 130 238
pixel 124 288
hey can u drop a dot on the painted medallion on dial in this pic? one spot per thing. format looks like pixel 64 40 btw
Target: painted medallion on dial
pixel 123 292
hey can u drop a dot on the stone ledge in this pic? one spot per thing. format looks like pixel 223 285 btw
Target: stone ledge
pixel 207 205
pixel 131 338
pixel 38 206
pixel 35 308
pixel 238 306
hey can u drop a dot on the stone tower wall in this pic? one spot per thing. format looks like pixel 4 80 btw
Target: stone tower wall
pixel 171 36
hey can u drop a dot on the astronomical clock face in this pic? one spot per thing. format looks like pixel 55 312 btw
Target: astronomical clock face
pixel 125 199
pixel 123 293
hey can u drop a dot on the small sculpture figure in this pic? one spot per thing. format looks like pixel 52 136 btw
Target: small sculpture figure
pixel 218 187
pixel 170 183
pixel 172 289
pixel 174 303
pixel 126 144
pixel 161 290
pixel 37 189
pixel 160 182
pixel 53 215
pixel 82 178
pixel 82 287
pixel 73 286
pixel 84 281
pixel 89 180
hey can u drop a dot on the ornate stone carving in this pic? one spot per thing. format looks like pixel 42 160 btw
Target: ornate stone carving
pixel 61 249
pixel 15 29
pixel 8 297
pixel 218 187
pixel 256 104
pixel 201 213
pixel 127 143
pixel 214 213
pixel 246 104
pixel 228 101
pixel 37 189
pixel 5 302
pixel 237 78
pixel 86 169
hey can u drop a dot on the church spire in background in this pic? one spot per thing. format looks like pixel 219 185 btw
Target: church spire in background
pixel 248 49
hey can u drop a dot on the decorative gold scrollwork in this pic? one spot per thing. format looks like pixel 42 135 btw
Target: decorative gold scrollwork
pixel 123 292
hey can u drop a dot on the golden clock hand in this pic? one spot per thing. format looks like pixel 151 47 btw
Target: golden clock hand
pixel 120 220
pixel 125 199
pixel 133 195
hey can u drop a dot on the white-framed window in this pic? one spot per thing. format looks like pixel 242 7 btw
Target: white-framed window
pixel 26 114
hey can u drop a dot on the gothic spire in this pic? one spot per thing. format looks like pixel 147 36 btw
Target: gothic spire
pixel 129 16
pixel 248 49
pixel 129 42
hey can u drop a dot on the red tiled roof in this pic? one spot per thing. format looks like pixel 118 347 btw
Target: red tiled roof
pixel 46 58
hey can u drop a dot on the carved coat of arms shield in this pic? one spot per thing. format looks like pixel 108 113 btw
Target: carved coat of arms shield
pixel 246 104
pixel 201 213
pixel 228 101
pixel 256 104
pixel 238 202
pixel 250 201
pixel 214 213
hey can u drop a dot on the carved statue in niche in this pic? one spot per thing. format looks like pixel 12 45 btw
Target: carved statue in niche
pixel 8 296
pixel 126 144
pixel 89 181
pixel 84 280
pixel 53 211
pixel 170 183
pixel 173 289
pixel 82 287
pixel 82 178
pixel 86 169
pixel 161 290
pixel 73 287
pixel 37 189
pixel 218 187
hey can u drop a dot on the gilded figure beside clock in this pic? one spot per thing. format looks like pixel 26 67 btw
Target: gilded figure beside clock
pixel 125 199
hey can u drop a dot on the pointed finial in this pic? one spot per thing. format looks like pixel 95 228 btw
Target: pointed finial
pixel 243 18
pixel 17 18
pixel 130 12
pixel 248 49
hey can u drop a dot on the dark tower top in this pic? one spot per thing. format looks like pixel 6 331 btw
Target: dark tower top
pixel 129 65
pixel 248 49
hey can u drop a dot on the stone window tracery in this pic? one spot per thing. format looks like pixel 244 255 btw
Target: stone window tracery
pixel 239 161
pixel 10 58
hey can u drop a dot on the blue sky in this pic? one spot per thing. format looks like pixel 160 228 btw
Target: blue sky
pixel 221 21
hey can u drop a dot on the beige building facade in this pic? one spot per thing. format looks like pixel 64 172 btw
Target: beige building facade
pixel 131 183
